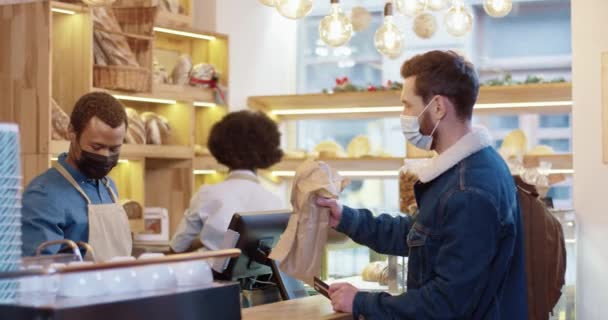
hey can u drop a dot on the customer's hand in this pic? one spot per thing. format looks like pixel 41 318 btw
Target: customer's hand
pixel 335 209
pixel 342 296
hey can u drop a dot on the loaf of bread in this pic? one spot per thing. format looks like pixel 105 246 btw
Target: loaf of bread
pixel 133 209
pixel 181 72
pixel 135 214
pixel 114 46
pixel 328 149
pixel 60 122
pixel 136 134
pixel 158 130
pixel 98 54
pixel 373 271
pixel 358 147
pixel 160 74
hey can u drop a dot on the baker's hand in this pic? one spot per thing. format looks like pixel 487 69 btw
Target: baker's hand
pixel 342 296
pixel 335 209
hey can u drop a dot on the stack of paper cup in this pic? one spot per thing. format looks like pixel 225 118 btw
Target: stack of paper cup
pixel 10 208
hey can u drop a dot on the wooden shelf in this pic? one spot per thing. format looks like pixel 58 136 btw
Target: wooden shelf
pixel 166 19
pixel 290 164
pixel 546 94
pixel 347 164
pixel 183 93
pixel 207 162
pixel 558 161
pixel 69 6
pixel 137 151
pixel 170 92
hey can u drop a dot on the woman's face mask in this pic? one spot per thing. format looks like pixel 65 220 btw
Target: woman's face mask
pixel 410 126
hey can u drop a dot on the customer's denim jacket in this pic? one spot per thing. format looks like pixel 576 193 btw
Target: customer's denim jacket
pixel 465 245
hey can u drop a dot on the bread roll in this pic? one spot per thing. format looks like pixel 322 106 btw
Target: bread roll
pixel 373 271
pixel 60 121
pixel 383 279
pixel 358 147
pixel 160 74
pixel 136 134
pixel 181 72
pixel 514 145
pixel 133 209
pixel 158 130
pixel 329 149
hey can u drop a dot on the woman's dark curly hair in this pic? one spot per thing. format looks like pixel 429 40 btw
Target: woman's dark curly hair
pixel 247 140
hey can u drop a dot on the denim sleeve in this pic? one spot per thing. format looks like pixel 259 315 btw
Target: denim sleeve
pixel 469 231
pixel 41 220
pixel 384 234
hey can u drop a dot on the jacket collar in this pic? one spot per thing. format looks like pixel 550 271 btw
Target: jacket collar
pixel 472 142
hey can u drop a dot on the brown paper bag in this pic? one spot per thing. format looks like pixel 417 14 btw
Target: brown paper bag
pixel 300 248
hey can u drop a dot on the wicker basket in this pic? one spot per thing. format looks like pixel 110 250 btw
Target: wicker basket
pixel 122 78
pixel 136 20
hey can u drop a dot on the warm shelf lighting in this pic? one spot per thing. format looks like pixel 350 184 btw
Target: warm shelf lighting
pixel 511 105
pixel 119 160
pixel 560 171
pixel 143 99
pixel 64 11
pixel 202 172
pixel 184 33
pixel 362 173
pixel 204 104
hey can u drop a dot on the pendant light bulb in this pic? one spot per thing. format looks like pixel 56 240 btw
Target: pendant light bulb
pixel 411 8
pixel 294 9
pixel 388 39
pixel 269 3
pixel 497 8
pixel 335 29
pixel 458 21
pixel 437 5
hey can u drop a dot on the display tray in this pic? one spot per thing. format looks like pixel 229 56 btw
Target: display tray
pixel 219 300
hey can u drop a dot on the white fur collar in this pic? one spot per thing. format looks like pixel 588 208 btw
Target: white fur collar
pixel 470 143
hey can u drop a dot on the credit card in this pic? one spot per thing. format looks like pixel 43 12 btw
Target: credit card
pixel 321 287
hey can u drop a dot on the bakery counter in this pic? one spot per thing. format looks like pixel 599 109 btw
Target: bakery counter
pixel 315 307
pixel 214 301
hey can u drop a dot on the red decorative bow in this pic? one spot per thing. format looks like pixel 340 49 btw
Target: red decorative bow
pixel 341 81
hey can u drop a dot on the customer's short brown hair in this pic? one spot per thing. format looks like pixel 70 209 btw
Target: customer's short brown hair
pixel 444 73
pixel 100 105
pixel 246 140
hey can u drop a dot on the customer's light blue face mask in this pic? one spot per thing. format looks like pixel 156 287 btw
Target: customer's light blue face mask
pixel 410 126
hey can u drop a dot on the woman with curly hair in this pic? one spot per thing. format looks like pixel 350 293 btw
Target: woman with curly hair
pixel 244 141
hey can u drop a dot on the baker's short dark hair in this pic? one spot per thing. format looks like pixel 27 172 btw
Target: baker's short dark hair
pixel 100 105
pixel 247 140
pixel 444 73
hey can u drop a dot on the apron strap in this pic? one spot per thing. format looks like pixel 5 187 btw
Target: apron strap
pixel 106 182
pixel 62 170
pixel 242 176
